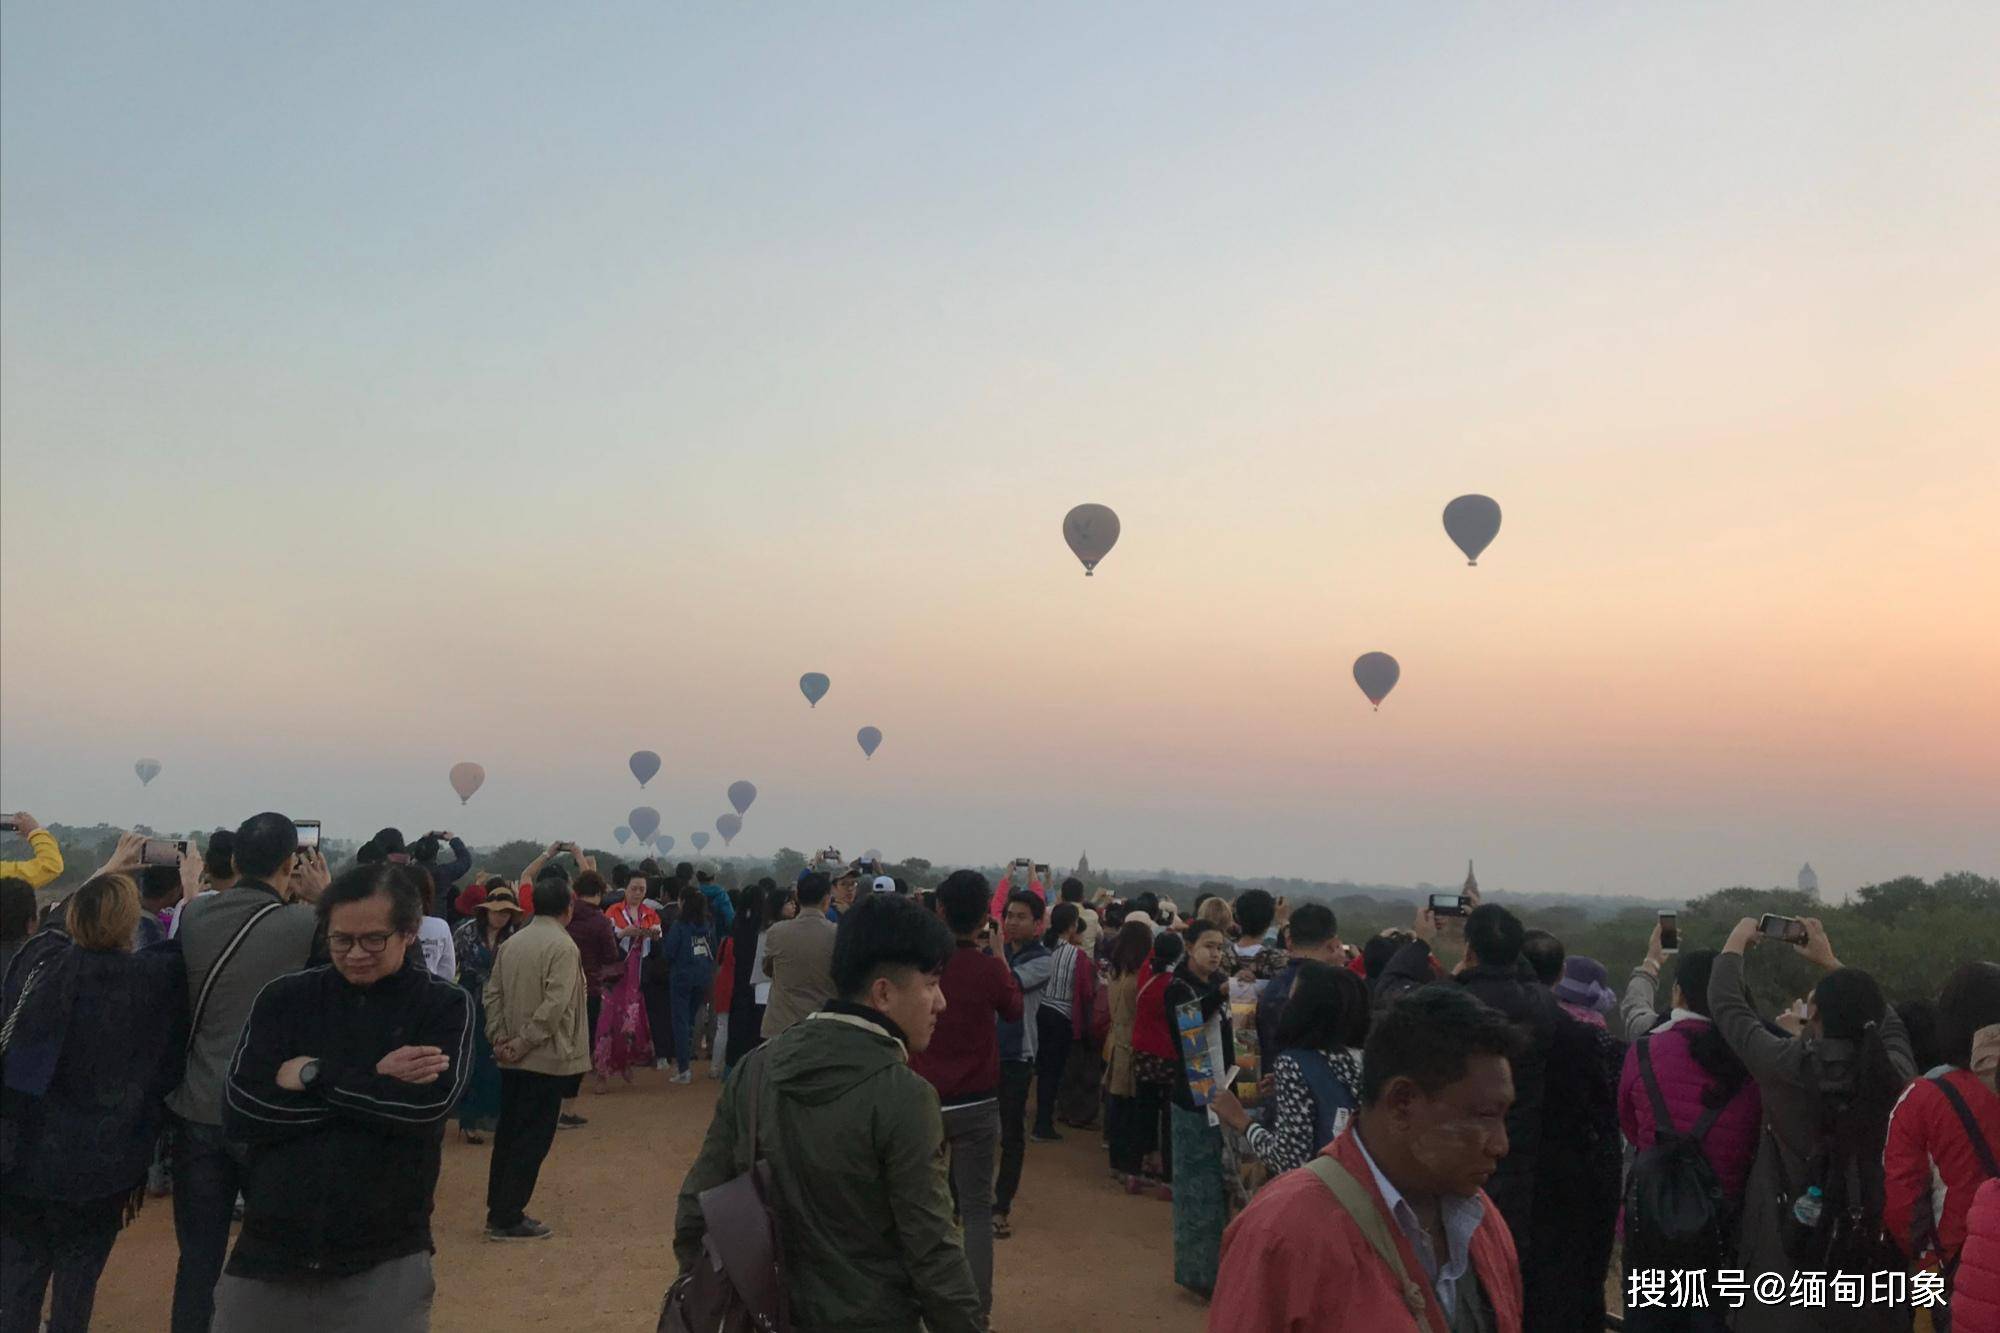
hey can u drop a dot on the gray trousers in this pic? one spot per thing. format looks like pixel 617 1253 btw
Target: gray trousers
pixel 394 1297
pixel 971 1135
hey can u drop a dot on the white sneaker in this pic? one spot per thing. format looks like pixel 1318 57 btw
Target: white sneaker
pixel 684 1076
pixel 663 1064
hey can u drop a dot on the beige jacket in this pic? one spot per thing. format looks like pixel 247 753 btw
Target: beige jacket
pixel 537 993
pixel 798 956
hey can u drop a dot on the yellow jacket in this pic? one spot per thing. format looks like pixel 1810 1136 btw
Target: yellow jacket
pixel 47 865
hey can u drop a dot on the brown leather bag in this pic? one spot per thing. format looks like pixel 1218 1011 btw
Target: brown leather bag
pixel 738 1284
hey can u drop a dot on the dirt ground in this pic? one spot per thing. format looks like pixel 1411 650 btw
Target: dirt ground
pixel 608 1191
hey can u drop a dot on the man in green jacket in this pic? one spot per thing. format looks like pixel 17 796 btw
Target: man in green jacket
pixel 855 1141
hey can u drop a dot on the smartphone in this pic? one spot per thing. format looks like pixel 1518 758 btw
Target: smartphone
pixel 1041 872
pixel 1670 932
pixel 308 834
pixel 1787 928
pixel 10 824
pixel 162 852
pixel 1448 904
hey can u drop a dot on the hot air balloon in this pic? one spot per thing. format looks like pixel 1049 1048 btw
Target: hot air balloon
pixel 1091 531
pixel 147 769
pixel 869 738
pixel 665 842
pixel 728 826
pixel 814 685
pixel 700 840
pixel 1376 674
pixel 1472 521
pixel 623 834
pixel 742 795
pixel 645 822
pixel 644 764
pixel 467 779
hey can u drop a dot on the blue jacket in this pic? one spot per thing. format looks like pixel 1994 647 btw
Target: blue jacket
pixel 688 946
pixel 719 905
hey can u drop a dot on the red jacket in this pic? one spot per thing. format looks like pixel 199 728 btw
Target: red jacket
pixel 1930 1168
pixel 1975 1299
pixel 1150 1033
pixel 963 1060
pixel 1295 1262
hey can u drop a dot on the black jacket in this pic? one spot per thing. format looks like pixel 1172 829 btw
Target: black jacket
pixel 340 1178
pixel 1536 1015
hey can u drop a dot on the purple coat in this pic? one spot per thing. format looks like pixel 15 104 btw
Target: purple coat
pixel 1731 1144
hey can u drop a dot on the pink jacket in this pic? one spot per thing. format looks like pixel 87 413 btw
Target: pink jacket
pixel 1731 1144
pixel 1005 887
pixel 1975 1297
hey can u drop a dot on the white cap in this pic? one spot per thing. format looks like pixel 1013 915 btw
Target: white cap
pixel 884 884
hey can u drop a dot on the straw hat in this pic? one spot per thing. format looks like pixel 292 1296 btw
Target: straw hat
pixel 500 900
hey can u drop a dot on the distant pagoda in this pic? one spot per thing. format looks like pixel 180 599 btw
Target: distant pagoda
pixel 1808 880
pixel 1083 866
pixel 1471 889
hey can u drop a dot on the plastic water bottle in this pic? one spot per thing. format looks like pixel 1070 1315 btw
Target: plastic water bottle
pixel 1806 1211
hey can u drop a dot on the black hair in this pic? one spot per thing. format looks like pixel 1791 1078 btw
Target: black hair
pixel 1430 1036
pixel 621 875
pixel 1199 927
pixel 406 908
pixel 219 857
pixel 265 845
pixel 1062 918
pixel 1920 1024
pixel 704 876
pixel 1329 1009
pixel 1312 924
pixel 1375 954
pixel 1168 948
pixel 552 873
pixel 884 931
pixel 1545 954
pixel 813 889
pixel 963 898
pixel 551 896
pixel 694 906
pixel 749 920
pixel 590 885
pixel 390 840
pixel 1147 902
pixel 1854 1114
pixel 1494 934
pixel 1072 890
pixel 424 851
pixel 1969 1001
pixel 649 868
pixel 157 882
pixel 1255 910
pixel 1032 900
pixel 498 882
pixel 1710 1049
pixel 17 908
pixel 684 871
pixel 1129 949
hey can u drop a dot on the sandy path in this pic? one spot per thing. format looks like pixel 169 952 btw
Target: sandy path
pixel 608 1190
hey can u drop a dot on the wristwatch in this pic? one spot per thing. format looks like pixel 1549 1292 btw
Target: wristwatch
pixel 309 1075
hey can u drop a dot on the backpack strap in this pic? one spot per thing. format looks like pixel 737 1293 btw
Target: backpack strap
pixel 1663 1121
pixel 215 969
pixel 1972 1130
pixel 1354 1200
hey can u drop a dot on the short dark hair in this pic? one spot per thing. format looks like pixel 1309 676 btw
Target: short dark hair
pixel 621 875
pixel 590 885
pixel 1312 924
pixel 1033 901
pixel 1072 890
pixel 884 931
pixel 685 870
pixel 1255 910
pixel 17 908
pixel 157 882
pixel 424 850
pixel 1969 1001
pixel 1377 952
pixel 406 908
pixel 1201 926
pixel 551 895
pixel 813 888
pixel 1494 934
pixel 552 874
pixel 219 857
pixel 390 840
pixel 1329 1009
pixel 963 898
pixel 1545 954
pixel 265 844
pixel 1429 1036
pixel 1063 917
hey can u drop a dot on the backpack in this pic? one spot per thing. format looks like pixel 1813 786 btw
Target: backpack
pixel 738 1284
pixel 1849 1234
pixel 1676 1215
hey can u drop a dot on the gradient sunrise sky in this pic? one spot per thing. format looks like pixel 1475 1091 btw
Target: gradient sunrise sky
pixel 390 386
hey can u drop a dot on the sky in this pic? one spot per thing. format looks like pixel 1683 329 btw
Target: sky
pixel 385 388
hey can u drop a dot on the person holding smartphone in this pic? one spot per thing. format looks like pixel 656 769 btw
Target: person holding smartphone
pixel 46 865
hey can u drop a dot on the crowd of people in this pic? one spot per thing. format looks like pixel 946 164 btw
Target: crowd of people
pixel 1457 1127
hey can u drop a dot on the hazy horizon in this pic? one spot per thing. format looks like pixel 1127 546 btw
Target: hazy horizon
pixel 380 390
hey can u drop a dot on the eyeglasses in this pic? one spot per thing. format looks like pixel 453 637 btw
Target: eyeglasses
pixel 374 942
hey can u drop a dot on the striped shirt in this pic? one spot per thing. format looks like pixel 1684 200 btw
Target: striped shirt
pixel 1062 979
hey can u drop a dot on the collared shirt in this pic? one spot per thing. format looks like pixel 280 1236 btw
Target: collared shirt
pixel 1461 1218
